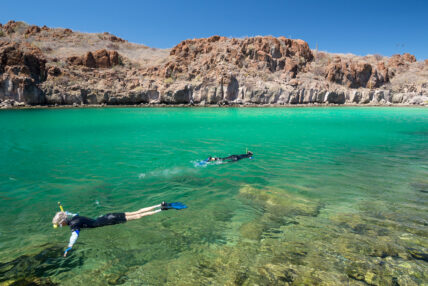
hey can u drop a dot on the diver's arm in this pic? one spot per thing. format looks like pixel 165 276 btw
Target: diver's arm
pixel 73 239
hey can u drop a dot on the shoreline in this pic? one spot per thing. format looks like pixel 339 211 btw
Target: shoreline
pixel 71 69
pixel 162 105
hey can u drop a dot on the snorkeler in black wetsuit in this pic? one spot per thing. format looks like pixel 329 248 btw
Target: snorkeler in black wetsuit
pixel 234 158
pixel 76 222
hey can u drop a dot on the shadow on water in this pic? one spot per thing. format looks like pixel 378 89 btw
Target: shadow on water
pixel 36 269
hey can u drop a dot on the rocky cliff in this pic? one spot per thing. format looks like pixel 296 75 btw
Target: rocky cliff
pixel 45 66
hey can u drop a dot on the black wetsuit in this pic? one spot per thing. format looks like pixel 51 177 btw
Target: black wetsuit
pixel 77 222
pixel 234 158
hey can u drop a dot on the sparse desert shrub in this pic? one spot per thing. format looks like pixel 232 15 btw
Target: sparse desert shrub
pixel 138 89
pixel 112 46
pixel 169 80
pixel 1 33
pixel 267 77
pixel 322 58
pixel 197 78
pixel 250 47
pixel 20 27
pixel 378 57
pixel 318 70
pixel 62 80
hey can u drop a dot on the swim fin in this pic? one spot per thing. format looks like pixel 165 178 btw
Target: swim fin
pixel 176 205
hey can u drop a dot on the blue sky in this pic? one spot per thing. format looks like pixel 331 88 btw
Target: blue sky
pixel 359 27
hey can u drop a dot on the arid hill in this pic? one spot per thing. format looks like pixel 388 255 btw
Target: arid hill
pixel 46 66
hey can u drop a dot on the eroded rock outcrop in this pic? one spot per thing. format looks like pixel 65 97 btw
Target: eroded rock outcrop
pixel 401 60
pixel 96 59
pixel 56 66
pixel 220 54
pixel 357 74
pixel 32 30
pixel 22 68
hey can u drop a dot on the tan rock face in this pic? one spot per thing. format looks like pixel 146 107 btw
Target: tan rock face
pixel 357 74
pixel 401 60
pixel 9 27
pixel 362 74
pixel 215 70
pixel 97 59
pixel 220 54
pixel 112 38
pixel 54 71
pixel 24 59
pixel 32 30
pixel 22 67
pixel 409 58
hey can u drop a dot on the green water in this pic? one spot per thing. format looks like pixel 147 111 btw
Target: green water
pixel 333 196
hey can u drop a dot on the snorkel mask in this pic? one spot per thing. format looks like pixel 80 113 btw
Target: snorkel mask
pixel 55 225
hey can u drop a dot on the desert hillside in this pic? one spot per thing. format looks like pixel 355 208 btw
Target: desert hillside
pixel 55 66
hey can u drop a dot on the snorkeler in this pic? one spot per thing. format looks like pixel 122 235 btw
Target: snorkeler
pixel 234 158
pixel 77 222
pixel 231 158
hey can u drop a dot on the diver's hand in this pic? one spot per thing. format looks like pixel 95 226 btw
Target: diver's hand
pixel 66 251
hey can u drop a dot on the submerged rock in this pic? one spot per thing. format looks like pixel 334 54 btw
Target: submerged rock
pixel 279 202
pixel 34 269
pixel 417 254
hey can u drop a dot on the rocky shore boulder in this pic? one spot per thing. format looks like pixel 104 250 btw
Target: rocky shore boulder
pixel 22 59
pixel 22 67
pixel 356 74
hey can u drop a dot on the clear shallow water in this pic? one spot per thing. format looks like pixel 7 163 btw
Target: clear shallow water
pixel 333 195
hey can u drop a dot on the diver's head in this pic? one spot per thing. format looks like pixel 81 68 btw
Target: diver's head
pixel 250 153
pixel 60 219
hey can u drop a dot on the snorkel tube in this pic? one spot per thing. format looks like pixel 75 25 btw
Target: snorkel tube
pixel 62 209
pixel 60 206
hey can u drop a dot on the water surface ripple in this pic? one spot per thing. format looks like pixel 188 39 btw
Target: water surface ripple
pixel 333 196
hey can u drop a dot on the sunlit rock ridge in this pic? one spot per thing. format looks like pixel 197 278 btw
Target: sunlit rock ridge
pixel 56 66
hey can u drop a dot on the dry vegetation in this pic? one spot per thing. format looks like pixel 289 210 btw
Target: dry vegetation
pixel 256 67
pixel 62 43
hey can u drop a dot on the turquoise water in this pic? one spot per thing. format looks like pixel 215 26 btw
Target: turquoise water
pixel 332 196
